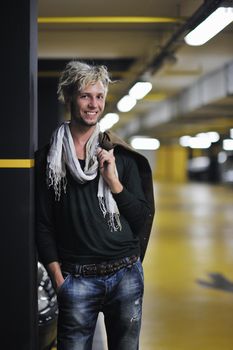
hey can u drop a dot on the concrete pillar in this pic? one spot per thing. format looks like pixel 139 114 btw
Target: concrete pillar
pixel 18 130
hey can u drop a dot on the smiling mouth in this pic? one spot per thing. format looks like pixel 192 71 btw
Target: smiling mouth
pixel 91 113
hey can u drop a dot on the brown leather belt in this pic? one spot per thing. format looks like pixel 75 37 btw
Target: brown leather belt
pixel 102 269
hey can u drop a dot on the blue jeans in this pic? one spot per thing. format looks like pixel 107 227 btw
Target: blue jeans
pixel 118 296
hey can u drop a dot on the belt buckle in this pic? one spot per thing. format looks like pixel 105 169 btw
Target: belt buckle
pixel 89 270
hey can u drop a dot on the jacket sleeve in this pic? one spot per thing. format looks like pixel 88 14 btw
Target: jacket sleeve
pixel 45 232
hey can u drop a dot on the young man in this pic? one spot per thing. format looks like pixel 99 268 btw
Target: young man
pixel 94 214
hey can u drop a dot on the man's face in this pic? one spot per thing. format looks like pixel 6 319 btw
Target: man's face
pixel 89 105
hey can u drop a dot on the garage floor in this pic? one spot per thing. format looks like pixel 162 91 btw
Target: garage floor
pixel 188 303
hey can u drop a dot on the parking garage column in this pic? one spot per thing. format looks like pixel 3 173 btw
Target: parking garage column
pixel 18 297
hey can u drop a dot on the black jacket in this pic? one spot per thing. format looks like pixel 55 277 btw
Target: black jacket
pixel 109 140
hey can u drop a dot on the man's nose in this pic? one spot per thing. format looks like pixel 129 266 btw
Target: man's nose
pixel 93 102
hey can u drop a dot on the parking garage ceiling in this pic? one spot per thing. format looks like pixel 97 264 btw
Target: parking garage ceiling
pixel 143 40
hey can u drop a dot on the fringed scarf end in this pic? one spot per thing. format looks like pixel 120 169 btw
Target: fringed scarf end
pixel 57 182
pixel 114 222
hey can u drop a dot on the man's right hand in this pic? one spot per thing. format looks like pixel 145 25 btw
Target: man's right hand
pixel 55 274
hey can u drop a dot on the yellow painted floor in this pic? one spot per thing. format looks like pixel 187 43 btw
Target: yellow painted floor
pixel 188 303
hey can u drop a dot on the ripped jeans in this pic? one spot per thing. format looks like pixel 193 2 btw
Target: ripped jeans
pixel 118 296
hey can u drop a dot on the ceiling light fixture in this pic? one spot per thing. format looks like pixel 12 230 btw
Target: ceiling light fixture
pixel 126 103
pixel 108 121
pixel 213 136
pixel 184 140
pixel 228 145
pixel 211 26
pixel 140 89
pixel 144 143
pixel 201 140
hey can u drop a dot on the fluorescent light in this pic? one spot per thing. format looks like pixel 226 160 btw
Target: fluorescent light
pixel 201 140
pixel 108 121
pixel 211 26
pixel 213 136
pixel 197 142
pixel 140 89
pixel 206 137
pixel 228 145
pixel 231 133
pixel 184 140
pixel 145 143
pixel 126 103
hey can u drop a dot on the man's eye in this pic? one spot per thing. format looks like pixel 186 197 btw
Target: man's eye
pixel 100 97
pixel 83 96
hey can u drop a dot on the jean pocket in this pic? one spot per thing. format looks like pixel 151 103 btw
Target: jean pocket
pixel 138 266
pixel 66 277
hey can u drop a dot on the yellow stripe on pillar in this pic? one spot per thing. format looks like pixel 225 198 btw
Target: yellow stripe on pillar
pixel 17 163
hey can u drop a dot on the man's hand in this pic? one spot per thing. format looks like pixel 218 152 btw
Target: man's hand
pixel 55 274
pixel 107 168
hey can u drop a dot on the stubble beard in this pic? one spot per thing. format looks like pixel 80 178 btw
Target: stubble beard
pixel 81 122
pixel 78 120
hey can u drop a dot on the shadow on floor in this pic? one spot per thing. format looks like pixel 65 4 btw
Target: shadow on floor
pixel 216 281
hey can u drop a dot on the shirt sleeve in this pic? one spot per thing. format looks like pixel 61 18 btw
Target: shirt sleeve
pixel 131 200
pixel 45 233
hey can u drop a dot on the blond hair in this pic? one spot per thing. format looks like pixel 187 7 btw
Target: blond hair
pixel 77 75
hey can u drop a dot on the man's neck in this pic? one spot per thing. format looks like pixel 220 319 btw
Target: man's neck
pixel 80 135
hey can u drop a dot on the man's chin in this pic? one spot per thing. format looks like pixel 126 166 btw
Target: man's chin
pixel 88 123
pixel 91 123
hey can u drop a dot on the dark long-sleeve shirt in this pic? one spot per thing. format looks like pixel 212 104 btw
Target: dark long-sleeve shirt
pixel 74 229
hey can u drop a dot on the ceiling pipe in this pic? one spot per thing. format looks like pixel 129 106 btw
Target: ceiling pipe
pixel 177 38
